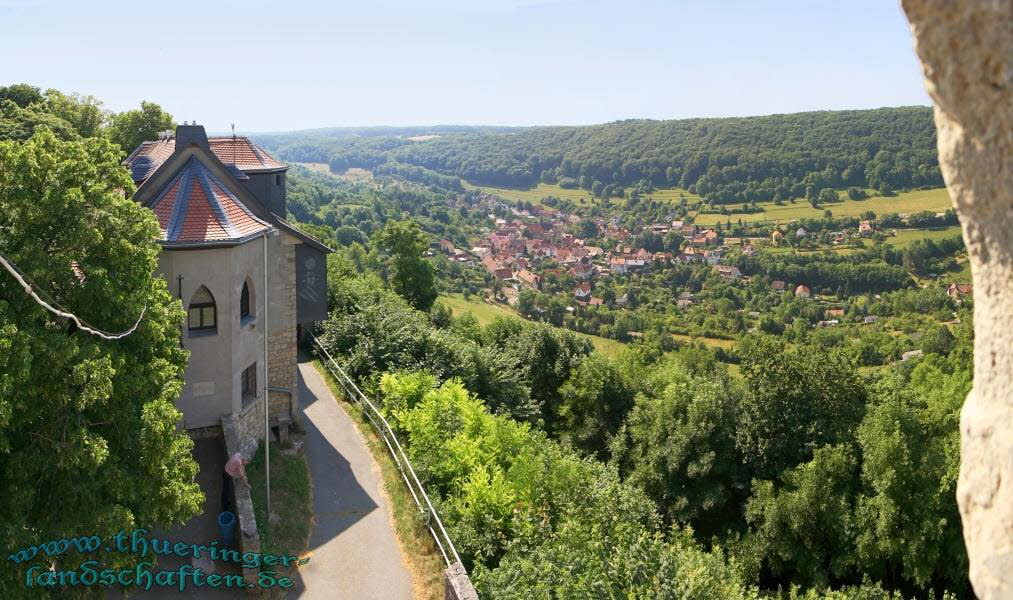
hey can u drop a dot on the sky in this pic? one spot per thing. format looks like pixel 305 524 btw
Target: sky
pixel 297 64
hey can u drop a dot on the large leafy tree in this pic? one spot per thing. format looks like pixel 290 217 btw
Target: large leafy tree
pixel 88 431
pixel 594 402
pixel 679 446
pixel 128 129
pixel 798 400
pixel 411 275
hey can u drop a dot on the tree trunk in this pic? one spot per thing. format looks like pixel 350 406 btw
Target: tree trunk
pixel 966 49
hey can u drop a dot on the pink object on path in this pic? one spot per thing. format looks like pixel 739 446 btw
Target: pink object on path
pixel 235 467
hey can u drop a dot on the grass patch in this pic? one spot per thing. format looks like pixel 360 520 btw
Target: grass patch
pixel 935 200
pixel 707 341
pixel 906 236
pixel 535 194
pixel 290 500
pixel 485 313
pixel 422 556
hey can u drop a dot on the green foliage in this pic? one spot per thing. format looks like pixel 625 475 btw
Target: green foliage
pixel 84 422
pixel 411 275
pixel 593 404
pixel 531 519
pixel 129 129
pixel 797 400
pixel 679 446
pixel 804 524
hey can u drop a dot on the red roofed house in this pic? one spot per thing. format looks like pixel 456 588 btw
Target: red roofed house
pixel 802 292
pixel 247 278
pixel 958 290
pixel 529 279
pixel 582 291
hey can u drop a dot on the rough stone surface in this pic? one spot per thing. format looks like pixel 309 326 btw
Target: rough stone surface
pixel 966 49
pixel 250 427
pixel 249 536
pixel 458 585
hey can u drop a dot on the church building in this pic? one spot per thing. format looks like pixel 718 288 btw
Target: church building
pixel 247 279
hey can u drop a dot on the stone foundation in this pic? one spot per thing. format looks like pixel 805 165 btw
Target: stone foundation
pixel 457 585
pixel 249 537
pixel 250 428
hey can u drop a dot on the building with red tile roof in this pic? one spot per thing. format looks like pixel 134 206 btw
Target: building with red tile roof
pixel 247 278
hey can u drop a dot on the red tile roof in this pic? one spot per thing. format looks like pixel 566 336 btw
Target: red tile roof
pixel 196 207
pixel 239 151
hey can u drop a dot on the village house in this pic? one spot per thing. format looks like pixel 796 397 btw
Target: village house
pixel 247 279
pixel 529 279
pixel 777 285
pixel 582 292
pixel 802 292
pixel 835 312
pixel 865 228
pixel 728 272
pixel 776 237
pixel 957 291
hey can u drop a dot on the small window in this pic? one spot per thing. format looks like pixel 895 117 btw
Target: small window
pixel 249 385
pixel 202 314
pixel 277 180
pixel 244 301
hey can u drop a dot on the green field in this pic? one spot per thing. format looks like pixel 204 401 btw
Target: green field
pixel 542 190
pixel 485 312
pixel 935 200
pixel 712 342
pixel 906 236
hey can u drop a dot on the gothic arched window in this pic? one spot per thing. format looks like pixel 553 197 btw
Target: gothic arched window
pixel 203 313
pixel 244 301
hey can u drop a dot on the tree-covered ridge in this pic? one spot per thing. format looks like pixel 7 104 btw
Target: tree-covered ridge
pixel 728 160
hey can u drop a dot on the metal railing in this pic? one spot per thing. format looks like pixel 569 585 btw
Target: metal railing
pixel 383 428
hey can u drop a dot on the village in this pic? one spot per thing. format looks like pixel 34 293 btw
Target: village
pixel 528 246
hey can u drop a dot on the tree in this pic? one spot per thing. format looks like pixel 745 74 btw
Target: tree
pixel 802 526
pixel 89 438
pixel 21 94
pixel 797 400
pixel 679 446
pixel 593 404
pixel 937 339
pixel 129 129
pixel 827 195
pixel 411 275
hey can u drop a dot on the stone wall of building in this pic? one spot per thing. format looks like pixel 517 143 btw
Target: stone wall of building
pixel 250 427
pixel 282 346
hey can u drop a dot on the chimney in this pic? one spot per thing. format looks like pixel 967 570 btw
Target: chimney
pixel 191 134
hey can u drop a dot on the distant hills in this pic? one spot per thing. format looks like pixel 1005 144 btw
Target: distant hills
pixel 726 160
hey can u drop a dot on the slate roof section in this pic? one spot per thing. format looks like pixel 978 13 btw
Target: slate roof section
pixel 195 207
pixel 239 154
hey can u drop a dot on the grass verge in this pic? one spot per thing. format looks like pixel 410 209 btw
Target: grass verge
pixel 420 552
pixel 290 500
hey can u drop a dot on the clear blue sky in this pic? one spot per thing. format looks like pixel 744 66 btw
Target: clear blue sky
pixel 292 64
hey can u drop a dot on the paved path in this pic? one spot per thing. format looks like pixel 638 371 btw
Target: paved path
pixel 353 549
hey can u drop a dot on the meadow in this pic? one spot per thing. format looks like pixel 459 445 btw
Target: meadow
pixel 934 200
pixel 578 196
pixel 485 312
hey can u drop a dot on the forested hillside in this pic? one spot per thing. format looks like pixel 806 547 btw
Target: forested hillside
pixel 732 160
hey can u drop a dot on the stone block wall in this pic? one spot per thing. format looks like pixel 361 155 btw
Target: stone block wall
pixel 249 426
pixel 249 536
pixel 457 585
pixel 282 345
